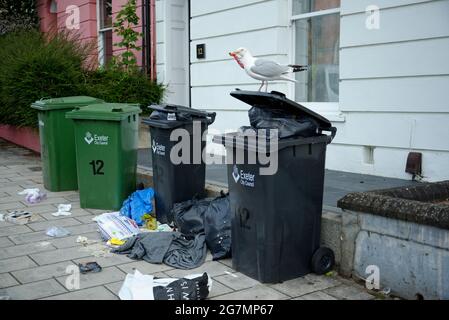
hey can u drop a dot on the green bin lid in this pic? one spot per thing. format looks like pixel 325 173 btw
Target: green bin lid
pixel 64 102
pixel 104 111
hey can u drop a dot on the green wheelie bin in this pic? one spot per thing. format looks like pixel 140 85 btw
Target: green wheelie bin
pixel 57 142
pixel 106 138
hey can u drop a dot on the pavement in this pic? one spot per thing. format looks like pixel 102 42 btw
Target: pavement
pixel 36 266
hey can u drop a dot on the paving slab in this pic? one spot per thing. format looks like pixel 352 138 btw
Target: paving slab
pixel 40 226
pixel 213 268
pixel 107 275
pixel 25 249
pixel 5 242
pixel 96 293
pixel 85 219
pixel 304 285
pixel 345 292
pixel 14 205
pixel 75 213
pixel 259 292
pixel 13 230
pixel 70 241
pixel 144 267
pixel 218 289
pixel 7 280
pixel 319 295
pixel 59 255
pixel 43 272
pixel 35 290
pixel 237 281
pixel 113 260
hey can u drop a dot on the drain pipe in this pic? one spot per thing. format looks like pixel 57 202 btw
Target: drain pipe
pixel 144 43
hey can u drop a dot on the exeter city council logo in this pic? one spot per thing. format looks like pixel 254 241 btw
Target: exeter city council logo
pixel 88 138
pixel 235 174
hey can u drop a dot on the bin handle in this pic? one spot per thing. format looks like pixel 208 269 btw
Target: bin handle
pixel 212 116
pixel 332 130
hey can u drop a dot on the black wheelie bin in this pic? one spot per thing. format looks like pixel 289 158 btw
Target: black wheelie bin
pixel 276 218
pixel 183 178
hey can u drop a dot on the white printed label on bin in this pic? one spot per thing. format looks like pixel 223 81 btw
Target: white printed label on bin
pixel 99 140
pixel 171 116
pixel 158 149
pixel 246 179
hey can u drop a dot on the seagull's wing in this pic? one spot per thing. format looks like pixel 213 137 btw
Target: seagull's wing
pixel 268 68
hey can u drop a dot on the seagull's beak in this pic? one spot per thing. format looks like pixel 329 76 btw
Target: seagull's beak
pixel 232 54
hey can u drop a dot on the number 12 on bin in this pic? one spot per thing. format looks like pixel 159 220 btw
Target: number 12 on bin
pixel 97 167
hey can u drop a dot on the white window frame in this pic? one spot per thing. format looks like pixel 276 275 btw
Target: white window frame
pixel 330 110
pixel 100 32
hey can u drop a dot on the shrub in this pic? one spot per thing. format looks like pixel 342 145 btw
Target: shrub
pixel 18 15
pixel 113 84
pixel 34 67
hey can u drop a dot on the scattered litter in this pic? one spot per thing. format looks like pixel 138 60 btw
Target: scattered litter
pixel 89 267
pixel 116 242
pixel 44 244
pixel 138 286
pixel 98 250
pixel 386 291
pixel 150 221
pixel 82 240
pixel 164 228
pixel 138 204
pixel 114 225
pixel 57 232
pixel 33 195
pixel 17 217
pixel 63 210
pixel 329 274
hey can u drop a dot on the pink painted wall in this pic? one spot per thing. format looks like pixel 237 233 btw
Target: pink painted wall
pixel 26 137
pixel 88 21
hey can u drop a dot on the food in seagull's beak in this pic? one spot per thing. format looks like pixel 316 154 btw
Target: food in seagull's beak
pixel 232 54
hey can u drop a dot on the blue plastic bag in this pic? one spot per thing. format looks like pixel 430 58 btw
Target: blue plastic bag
pixel 137 204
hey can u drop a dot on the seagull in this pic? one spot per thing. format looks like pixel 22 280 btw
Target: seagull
pixel 263 69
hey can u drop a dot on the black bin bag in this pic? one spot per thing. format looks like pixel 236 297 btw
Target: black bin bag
pixel 209 216
pixel 217 226
pixel 189 215
pixel 274 111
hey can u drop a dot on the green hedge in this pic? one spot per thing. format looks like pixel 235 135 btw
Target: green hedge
pixel 114 85
pixel 34 67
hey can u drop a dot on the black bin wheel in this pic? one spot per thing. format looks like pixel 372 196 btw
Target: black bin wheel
pixel 323 260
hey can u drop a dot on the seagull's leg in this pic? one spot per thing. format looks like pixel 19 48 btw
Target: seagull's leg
pixel 266 86
pixel 261 86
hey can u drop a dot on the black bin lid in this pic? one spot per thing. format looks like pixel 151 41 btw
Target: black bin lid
pixel 172 122
pixel 173 108
pixel 276 101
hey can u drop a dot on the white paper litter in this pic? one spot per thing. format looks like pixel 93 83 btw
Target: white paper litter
pixel 114 225
pixel 57 232
pixel 139 286
pixel 33 195
pixel 63 210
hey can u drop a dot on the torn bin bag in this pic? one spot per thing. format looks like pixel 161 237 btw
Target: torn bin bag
pixel 189 215
pixel 274 111
pixel 287 125
pixel 217 226
pixel 210 217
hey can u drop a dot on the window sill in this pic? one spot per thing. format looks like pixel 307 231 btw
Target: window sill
pixel 334 116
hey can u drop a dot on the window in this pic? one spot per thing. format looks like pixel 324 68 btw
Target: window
pixel 104 9
pixel 316 28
